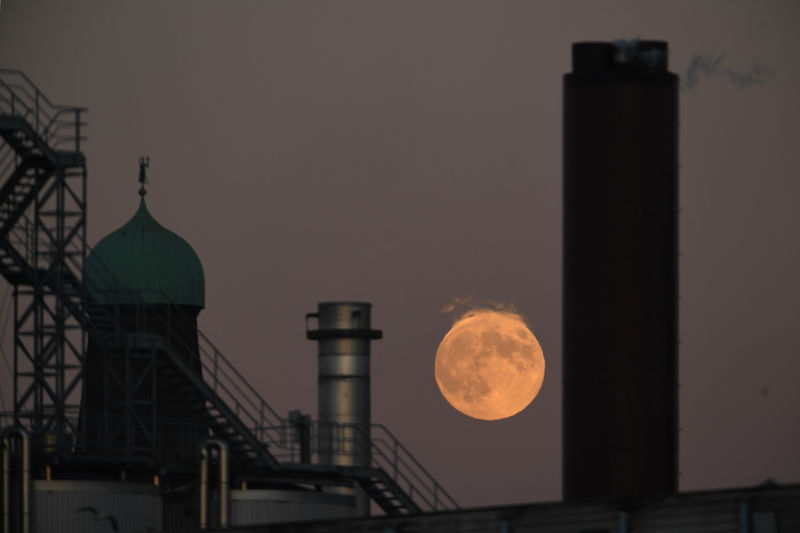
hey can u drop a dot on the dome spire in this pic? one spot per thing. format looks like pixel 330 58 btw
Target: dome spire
pixel 144 164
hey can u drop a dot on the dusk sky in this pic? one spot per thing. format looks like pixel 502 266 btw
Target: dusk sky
pixel 409 153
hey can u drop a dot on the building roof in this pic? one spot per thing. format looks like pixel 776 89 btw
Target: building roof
pixel 146 258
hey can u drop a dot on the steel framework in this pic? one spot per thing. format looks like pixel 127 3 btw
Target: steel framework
pixel 42 250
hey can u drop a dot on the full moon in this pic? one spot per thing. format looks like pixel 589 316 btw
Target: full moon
pixel 489 365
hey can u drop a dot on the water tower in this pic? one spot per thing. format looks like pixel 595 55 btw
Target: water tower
pixel 146 289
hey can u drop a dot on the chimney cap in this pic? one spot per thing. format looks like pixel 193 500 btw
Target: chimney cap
pixel 620 55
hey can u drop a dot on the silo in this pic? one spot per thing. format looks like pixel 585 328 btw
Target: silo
pixel 344 334
pixel 620 271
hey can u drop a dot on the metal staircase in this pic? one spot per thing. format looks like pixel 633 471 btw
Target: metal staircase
pixel 385 492
pixel 226 425
pixel 42 252
pixel 42 214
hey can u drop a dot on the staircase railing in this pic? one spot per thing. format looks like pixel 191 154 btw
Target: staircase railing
pixel 236 391
pixel 390 454
pixel 387 453
pixel 56 124
pixel 218 372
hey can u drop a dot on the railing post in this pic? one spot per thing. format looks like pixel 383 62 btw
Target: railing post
pixel 216 369
pixel 36 112
pixel 77 130
pixel 394 459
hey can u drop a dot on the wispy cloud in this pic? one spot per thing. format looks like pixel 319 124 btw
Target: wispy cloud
pixel 713 66
pixel 462 307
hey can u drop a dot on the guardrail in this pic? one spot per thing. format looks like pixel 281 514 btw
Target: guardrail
pixel 56 124
pixel 312 439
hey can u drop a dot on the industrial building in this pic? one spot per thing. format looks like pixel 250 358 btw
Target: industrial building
pixel 127 418
pixel 125 415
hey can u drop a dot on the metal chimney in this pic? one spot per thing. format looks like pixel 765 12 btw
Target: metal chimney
pixel 620 408
pixel 344 337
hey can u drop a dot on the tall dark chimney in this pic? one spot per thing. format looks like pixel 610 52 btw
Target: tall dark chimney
pixel 620 271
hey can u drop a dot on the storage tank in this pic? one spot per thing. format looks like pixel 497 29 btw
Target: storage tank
pixel 620 194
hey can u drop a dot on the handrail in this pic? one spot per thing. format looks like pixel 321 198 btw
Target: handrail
pixel 387 453
pixel 402 454
pixel 220 374
pixel 20 97
pixel 227 383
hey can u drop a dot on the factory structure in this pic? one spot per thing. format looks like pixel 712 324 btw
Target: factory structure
pixel 127 418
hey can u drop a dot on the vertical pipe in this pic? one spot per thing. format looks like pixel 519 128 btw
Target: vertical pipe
pixel 223 485
pixel 26 480
pixel 744 517
pixel 620 272
pixel 6 451
pixel 60 315
pixel 16 353
pixel 623 522
pixel 206 449
pixel 203 487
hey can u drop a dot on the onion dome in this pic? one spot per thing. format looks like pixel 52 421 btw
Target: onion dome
pixel 144 262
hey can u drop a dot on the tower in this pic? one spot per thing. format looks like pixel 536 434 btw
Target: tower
pixel 344 334
pixel 620 271
pixel 146 288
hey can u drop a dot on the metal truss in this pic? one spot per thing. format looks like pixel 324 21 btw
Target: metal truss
pixel 42 250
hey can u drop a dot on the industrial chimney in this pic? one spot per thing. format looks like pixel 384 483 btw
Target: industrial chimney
pixel 344 336
pixel 620 408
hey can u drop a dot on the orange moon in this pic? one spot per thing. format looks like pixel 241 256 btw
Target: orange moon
pixel 489 365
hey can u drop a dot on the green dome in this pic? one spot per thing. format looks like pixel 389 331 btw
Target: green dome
pixel 146 257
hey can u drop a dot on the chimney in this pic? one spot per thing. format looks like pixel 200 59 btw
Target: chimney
pixel 344 336
pixel 620 195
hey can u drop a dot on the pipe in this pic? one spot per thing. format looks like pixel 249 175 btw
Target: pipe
pixel 223 485
pixel 25 478
pixel 222 473
pixel 5 485
pixel 623 522
pixel 203 487
pixel 744 517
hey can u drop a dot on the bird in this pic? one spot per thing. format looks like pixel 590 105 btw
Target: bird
pixel 100 516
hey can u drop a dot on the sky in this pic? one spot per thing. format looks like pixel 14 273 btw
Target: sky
pixel 409 153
